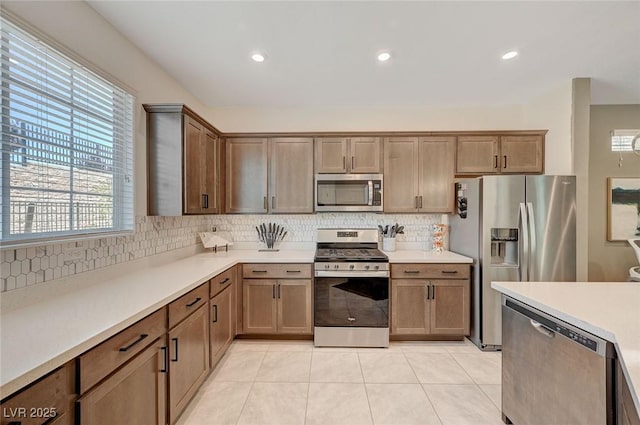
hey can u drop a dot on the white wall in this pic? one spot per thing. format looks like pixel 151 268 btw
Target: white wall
pixel 79 28
pixel 367 119
pixel 552 110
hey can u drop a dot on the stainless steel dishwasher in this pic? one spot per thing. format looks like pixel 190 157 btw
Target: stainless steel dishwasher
pixel 552 372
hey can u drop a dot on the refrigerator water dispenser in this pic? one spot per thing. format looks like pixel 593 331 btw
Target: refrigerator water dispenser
pixel 504 247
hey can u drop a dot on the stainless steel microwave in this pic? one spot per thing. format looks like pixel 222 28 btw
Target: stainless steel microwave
pixel 349 192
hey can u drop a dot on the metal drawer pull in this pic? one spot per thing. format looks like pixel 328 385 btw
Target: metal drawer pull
pixel 175 347
pixel 194 302
pixel 142 336
pixel 165 357
pixel 412 271
pixel 273 291
pixel 258 271
pixel 294 271
pixel 50 420
pixel 433 292
pixel 449 271
pixel 495 161
pixel 428 291
pixel 505 161
pixel 540 328
pixel 225 281
pixel 215 313
pixel 353 162
pixel 278 291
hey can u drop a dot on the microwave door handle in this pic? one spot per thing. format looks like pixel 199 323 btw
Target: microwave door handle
pixel 370 202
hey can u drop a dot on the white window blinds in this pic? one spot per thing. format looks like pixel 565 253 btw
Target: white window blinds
pixel 621 140
pixel 67 145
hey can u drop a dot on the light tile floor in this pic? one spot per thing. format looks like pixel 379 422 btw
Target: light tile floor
pixel 292 382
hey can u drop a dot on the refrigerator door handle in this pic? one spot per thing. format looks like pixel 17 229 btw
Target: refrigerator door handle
pixel 532 243
pixel 523 269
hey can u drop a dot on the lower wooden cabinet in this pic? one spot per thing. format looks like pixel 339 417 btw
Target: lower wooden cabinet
pixel 135 394
pixel 424 303
pixel 626 412
pixel 277 306
pixel 188 359
pixel 221 326
pixel 49 400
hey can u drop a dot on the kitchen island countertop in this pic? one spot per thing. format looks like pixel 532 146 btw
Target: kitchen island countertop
pixel 610 310
pixel 44 326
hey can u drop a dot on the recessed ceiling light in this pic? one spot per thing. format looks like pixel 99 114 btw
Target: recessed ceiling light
pixel 257 57
pixel 384 56
pixel 510 55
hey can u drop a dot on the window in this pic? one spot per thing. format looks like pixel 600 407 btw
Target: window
pixel 67 145
pixel 621 140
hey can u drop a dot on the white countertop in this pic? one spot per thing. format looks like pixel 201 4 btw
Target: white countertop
pixel 43 327
pixel 610 310
pixel 417 256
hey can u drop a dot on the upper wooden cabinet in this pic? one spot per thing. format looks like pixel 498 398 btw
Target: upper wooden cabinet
pixel 182 162
pixel 269 175
pixel 504 154
pixel 348 155
pixel 419 173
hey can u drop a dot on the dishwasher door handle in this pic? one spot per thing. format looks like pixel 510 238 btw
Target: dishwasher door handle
pixel 540 328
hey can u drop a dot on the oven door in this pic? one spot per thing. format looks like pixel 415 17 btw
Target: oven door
pixel 352 301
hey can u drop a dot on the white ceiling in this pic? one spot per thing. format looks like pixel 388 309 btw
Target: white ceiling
pixel 322 54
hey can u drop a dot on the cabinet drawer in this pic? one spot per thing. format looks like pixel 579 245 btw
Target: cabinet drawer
pixel 105 358
pixel 187 304
pixel 224 279
pixel 430 271
pixel 278 271
pixel 50 397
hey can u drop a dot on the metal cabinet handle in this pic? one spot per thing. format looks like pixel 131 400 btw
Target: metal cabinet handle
pixel 495 161
pixel 205 201
pixel 273 202
pixel 258 271
pixel 273 291
pixel 540 328
pixel 194 302
pixel 428 291
pixel 215 313
pixel 420 201
pixel 412 271
pixel 294 271
pixel 264 203
pixel 353 162
pixel 344 162
pixel 175 348
pixel 165 359
pixel 505 162
pixel 137 341
pixel 225 281
pixel 416 203
pixel 279 290
pixel 433 292
pixel 449 271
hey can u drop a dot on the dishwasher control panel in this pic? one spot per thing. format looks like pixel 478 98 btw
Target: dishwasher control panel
pixel 581 338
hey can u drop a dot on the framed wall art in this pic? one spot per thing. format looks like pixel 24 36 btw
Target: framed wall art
pixel 623 218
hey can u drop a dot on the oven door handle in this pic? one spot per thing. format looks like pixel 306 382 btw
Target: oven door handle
pixel 337 273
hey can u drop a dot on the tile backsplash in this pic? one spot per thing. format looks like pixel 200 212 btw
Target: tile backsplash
pixel 23 267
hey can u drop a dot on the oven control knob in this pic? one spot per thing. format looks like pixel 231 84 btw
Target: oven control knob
pixel 367 267
pixel 351 266
pixel 377 267
pixel 326 266
pixel 336 266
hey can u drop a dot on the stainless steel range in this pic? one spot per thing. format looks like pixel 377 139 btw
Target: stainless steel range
pixel 351 295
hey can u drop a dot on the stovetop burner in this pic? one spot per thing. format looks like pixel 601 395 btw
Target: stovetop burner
pixel 350 254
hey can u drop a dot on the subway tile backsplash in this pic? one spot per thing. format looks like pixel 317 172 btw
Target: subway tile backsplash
pixel 23 267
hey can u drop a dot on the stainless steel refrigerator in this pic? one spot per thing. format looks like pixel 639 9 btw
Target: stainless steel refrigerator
pixel 516 228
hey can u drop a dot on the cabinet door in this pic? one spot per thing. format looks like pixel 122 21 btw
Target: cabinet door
pixel 259 306
pixel 436 173
pixel 477 155
pixel 365 155
pixel 189 360
pixel 135 394
pixel 331 155
pixel 210 170
pixel 221 328
pixel 291 175
pixel 521 154
pixel 194 144
pixel 246 176
pixel 294 306
pixel 449 310
pixel 409 307
pixel 401 174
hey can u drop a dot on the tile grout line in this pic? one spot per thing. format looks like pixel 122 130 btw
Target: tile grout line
pixel 366 391
pixel 306 406
pixel 251 388
pixel 423 389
